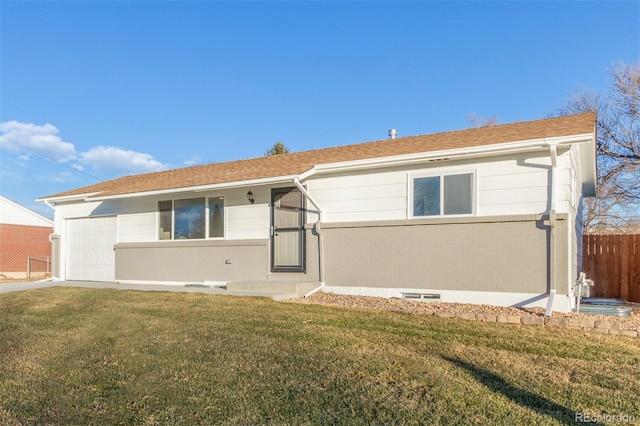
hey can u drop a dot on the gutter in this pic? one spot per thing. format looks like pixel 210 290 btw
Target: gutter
pixel 199 188
pixel 63 198
pixel 449 154
pixel 552 233
pixel 318 229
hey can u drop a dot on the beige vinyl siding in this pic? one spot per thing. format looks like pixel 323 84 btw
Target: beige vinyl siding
pixel 137 227
pixel 244 220
pixel 361 196
pixel 503 186
pixel 247 222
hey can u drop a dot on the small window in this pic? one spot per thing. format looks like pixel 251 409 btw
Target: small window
pixel 165 208
pixel 189 218
pixel 443 195
pixel 216 217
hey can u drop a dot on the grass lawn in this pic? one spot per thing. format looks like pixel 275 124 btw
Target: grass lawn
pixel 82 356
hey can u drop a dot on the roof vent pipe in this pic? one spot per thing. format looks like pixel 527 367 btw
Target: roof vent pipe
pixel 392 133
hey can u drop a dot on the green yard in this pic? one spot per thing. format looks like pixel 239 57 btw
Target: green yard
pixel 83 356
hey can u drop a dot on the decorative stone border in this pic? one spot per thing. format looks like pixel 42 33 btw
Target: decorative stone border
pixel 485 313
pixel 587 324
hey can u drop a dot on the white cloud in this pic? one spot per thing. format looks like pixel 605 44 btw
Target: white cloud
pixel 191 161
pixel 21 137
pixel 27 139
pixel 107 158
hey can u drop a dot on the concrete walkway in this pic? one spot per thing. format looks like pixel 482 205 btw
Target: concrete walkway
pixel 22 286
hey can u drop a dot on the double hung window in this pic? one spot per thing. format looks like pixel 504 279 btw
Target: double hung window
pixel 442 195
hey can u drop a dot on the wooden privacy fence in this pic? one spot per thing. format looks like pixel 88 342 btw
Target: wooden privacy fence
pixel 613 263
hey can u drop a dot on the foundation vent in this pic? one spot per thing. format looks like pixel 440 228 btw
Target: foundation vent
pixel 420 296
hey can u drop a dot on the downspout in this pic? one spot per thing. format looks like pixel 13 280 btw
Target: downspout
pixel 49 204
pixel 552 232
pixel 52 236
pixel 318 228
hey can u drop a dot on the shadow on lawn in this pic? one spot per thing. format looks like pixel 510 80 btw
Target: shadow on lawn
pixel 519 396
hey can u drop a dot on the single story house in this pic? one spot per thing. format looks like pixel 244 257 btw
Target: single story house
pixel 485 215
pixel 24 235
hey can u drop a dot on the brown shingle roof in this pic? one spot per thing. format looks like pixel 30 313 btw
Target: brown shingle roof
pixel 299 162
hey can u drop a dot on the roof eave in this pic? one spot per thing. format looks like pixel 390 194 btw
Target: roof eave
pixel 473 152
pixel 387 161
pixel 66 198
pixel 197 188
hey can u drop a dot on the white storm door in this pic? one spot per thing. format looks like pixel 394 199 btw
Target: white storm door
pixel 90 255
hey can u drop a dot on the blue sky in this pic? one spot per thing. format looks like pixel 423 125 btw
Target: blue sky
pixel 113 88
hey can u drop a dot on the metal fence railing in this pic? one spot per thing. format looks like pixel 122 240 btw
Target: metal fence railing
pixel 38 265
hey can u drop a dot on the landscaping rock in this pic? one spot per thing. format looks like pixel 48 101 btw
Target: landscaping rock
pixel 510 319
pixel 607 324
pixel 527 316
pixel 556 322
pixel 466 315
pixel 483 316
pixel 532 320
pixel 581 322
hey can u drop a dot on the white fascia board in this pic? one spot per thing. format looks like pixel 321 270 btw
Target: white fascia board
pixel 589 171
pixel 312 171
pixel 199 188
pixel 480 151
pixel 65 198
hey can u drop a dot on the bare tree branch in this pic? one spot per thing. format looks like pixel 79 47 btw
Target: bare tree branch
pixel 617 201
pixel 474 120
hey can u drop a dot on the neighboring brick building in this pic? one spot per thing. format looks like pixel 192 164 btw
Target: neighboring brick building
pixel 24 234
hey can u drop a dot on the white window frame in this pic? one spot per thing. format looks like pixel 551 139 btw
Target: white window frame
pixel 206 216
pixel 442 173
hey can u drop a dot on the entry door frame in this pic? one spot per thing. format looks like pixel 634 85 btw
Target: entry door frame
pixel 300 230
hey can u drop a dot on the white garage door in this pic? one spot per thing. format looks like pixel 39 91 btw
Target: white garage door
pixel 90 255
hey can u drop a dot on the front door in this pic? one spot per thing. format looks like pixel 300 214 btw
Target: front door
pixel 287 230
